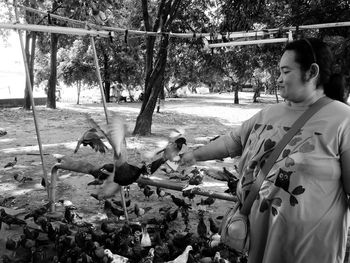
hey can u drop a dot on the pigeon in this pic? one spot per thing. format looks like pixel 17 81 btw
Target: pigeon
pixel 161 193
pixel 36 213
pixel 147 191
pixel 19 177
pixel 30 234
pixel 180 202
pixel 10 219
pixel 218 259
pixel 11 164
pixel 170 152
pixel 149 257
pixel 214 229
pixel 69 215
pixel 91 138
pixel 171 216
pixel 189 194
pixel 224 175
pixel 115 258
pixel 208 201
pixel 110 208
pixel 139 211
pixel 202 228
pixel 124 173
pixel 2 132
pixel 145 238
pixel 183 257
pixel 12 244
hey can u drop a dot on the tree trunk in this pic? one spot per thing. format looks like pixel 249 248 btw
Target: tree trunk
pixel 30 54
pixel 30 43
pixel 276 94
pixel 236 100
pixel 154 74
pixel 107 81
pixel 153 87
pixel 51 85
pixel 256 95
pixel 78 91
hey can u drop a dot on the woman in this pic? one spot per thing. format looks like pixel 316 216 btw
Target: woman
pixel 301 213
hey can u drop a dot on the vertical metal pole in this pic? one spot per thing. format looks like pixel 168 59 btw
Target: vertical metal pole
pixel 98 73
pixel 32 100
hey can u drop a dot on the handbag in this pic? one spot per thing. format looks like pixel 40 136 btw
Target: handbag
pixel 234 229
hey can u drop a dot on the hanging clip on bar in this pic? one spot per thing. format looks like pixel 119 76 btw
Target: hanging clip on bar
pixel 298 35
pixel 126 36
pixel 49 21
pixel 111 35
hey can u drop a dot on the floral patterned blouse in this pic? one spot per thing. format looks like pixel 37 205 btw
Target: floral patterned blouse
pixel 301 213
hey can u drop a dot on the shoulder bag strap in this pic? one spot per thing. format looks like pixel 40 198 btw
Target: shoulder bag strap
pixel 298 124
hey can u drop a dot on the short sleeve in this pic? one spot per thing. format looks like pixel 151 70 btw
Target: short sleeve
pixel 236 139
pixel 233 143
pixel 344 140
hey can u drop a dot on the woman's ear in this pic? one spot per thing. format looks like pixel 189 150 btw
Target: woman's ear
pixel 314 71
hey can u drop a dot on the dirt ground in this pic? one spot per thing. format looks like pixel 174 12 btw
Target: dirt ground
pixel 201 116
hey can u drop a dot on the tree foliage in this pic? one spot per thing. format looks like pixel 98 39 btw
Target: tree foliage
pixel 155 63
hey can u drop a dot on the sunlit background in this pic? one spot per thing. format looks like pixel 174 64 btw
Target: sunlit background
pixel 12 73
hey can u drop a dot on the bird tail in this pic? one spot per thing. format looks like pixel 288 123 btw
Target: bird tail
pixel 108 190
pixel 77 147
pixel 95 182
pixel 156 164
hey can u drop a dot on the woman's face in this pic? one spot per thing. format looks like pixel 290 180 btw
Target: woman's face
pixel 292 83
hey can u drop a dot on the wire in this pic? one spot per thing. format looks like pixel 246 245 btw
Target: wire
pixel 246 34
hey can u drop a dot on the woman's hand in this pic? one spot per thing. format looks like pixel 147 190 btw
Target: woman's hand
pixel 187 159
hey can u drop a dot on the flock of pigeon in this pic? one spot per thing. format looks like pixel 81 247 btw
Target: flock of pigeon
pixel 68 238
pixel 145 239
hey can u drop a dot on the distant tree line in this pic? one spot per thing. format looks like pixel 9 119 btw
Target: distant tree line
pixel 158 64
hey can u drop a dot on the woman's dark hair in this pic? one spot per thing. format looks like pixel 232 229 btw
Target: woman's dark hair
pixel 341 94
pixel 313 50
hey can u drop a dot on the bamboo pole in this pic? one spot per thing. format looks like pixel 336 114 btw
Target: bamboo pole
pixel 56 29
pixel 30 92
pixel 248 42
pixel 105 31
pixel 82 166
pixel 98 73
pixel 181 186
pixel 147 181
pixel 255 33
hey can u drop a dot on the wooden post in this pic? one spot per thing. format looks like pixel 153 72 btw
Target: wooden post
pixel 70 166
pixel 33 104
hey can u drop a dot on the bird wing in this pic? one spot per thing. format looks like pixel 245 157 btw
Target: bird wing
pixel 171 151
pixel 176 133
pixel 229 174
pixel 94 124
pixel 98 145
pixel 87 135
pixel 216 174
pixel 116 130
